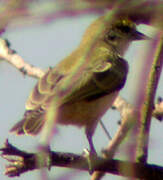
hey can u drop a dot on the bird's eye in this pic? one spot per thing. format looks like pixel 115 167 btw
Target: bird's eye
pixel 125 29
pixel 111 36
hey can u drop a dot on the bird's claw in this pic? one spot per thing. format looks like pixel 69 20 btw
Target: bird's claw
pixel 90 157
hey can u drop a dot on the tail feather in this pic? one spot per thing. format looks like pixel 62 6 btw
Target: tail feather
pixel 18 128
pixel 31 124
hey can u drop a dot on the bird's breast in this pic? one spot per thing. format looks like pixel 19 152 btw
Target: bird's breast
pixel 85 113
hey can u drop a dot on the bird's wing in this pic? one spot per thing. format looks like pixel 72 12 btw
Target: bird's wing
pixel 33 119
pixel 102 79
pixel 43 89
pixel 91 83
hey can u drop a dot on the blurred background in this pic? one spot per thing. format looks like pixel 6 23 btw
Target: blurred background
pixel 44 46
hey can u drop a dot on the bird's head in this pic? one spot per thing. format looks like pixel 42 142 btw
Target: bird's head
pixel 118 34
pixel 121 33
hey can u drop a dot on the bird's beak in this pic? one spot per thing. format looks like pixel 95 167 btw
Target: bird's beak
pixel 136 35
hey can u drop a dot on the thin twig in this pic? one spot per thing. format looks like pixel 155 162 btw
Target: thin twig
pixel 21 162
pixel 17 61
pixel 148 102
pixel 12 12
pixel 105 130
pixel 121 105
pixel 128 120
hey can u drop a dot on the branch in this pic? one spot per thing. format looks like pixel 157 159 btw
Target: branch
pixel 21 162
pixel 121 105
pixel 129 117
pixel 23 13
pixel 158 111
pixel 148 100
pixel 17 61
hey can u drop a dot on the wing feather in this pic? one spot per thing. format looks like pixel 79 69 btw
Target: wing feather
pixel 102 79
pixel 43 89
pixel 94 81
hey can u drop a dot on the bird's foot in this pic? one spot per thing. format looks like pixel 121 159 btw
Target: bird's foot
pixel 90 157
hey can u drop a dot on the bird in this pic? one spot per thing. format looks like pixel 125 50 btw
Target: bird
pixel 85 84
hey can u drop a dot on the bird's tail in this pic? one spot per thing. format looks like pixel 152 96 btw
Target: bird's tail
pixel 18 128
pixel 31 124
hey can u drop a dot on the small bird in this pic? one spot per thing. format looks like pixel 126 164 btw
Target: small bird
pixel 96 77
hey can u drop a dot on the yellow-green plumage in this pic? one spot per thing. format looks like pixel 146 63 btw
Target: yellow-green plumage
pixel 90 78
pixel 93 83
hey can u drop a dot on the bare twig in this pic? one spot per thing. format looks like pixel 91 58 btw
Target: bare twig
pixel 18 13
pixel 148 102
pixel 17 61
pixel 158 111
pixel 124 107
pixel 129 117
pixel 21 162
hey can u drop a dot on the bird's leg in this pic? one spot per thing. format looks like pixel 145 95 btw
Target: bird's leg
pixel 90 155
pixel 90 141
